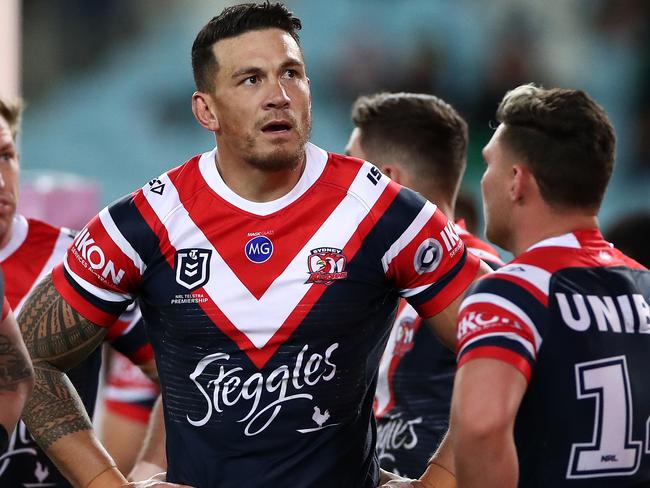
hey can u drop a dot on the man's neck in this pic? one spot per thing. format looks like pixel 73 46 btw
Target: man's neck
pixel 543 226
pixel 255 184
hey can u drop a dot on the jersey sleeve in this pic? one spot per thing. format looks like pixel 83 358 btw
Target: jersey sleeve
pixel 429 263
pixel 128 336
pixel 100 271
pixel 502 319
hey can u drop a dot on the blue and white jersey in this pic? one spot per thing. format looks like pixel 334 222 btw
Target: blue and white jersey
pixel 572 315
pixel 267 319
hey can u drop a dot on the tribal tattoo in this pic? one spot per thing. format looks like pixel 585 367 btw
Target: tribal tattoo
pixel 14 366
pixel 57 338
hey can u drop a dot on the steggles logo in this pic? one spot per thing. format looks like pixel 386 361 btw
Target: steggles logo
pixel 286 383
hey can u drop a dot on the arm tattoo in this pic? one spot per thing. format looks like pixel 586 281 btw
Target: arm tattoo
pixel 14 366
pixel 57 338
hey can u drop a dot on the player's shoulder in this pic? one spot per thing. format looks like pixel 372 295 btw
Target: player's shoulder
pixel 168 184
pixel 40 230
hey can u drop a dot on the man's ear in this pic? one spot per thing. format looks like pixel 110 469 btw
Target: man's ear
pixel 394 172
pixel 523 183
pixel 204 111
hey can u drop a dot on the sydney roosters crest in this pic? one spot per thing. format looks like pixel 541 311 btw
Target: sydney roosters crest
pixel 326 265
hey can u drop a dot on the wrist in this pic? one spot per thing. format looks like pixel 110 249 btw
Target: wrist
pixel 109 478
pixel 144 470
pixel 438 476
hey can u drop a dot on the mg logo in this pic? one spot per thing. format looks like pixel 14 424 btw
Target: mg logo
pixel 259 249
pixel 192 267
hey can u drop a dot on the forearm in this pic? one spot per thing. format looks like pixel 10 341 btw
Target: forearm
pixel 153 457
pixel 58 338
pixel 486 461
pixel 440 469
pixel 57 420
pixel 16 374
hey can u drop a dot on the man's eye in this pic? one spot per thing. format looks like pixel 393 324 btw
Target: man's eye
pixel 291 73
pixel 251 80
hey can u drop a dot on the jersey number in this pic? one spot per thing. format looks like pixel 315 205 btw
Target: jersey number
pixel 612 452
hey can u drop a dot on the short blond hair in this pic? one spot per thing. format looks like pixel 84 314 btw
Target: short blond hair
pixel 11 109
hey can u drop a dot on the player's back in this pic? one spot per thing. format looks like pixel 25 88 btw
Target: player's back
pixel 585 419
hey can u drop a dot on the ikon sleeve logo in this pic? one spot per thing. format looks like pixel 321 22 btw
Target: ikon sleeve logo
pixel 192 267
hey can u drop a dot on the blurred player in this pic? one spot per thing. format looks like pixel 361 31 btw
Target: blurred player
pixel 29 249
pixel 631 235
pixel 16 374
pixel 419 141
pixel 268 272
pixel 552 387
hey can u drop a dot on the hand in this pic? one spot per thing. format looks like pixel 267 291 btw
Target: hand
pixel 143 470
pixel 157 481
pixel 404 483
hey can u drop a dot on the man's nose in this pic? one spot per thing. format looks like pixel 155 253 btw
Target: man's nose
pixel 278 98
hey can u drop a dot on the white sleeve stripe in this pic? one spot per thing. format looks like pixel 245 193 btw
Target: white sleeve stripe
pixel 108 296
pixel 536 276
pixel 481 253
pixel 409 234
pixel 499 301
pixel 508 335
pixel 119 240
pixel 409 292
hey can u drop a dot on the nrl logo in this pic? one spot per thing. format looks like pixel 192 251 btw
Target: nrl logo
pixel 326 264
pixel 192 267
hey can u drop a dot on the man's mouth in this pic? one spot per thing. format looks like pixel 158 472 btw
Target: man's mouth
pixel 277 127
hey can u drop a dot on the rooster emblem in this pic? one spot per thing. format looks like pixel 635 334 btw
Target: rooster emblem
pixel 320 418
pixel 326 264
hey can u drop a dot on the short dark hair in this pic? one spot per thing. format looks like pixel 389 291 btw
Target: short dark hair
pixel 11 110
pixel 565 138
pixel 420 131
pixel 231 22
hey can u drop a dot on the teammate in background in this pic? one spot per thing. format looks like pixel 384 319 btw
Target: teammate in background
pixel 467 210
pixel 16 373
pixel 29 249
pixel 268 272
pixel 419 141
pixel 552 386
pixel 129 397
pixel 631 235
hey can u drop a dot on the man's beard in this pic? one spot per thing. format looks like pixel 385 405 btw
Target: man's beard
pixel 281 157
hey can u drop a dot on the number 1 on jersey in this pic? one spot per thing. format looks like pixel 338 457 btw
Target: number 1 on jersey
pixel 612 452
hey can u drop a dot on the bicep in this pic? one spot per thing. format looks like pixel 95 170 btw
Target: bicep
pixel 53 331
pixel 487 395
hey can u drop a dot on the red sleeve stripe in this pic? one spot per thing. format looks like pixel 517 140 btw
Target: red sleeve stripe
pixel 79 303
pixel 492 299
pixel 131 411
pixel 409 234
pixel 452 290
pixel 101 293
pixel 141 355
pixel 502 354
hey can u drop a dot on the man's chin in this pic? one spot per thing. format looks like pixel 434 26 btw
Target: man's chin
pixel 282 157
